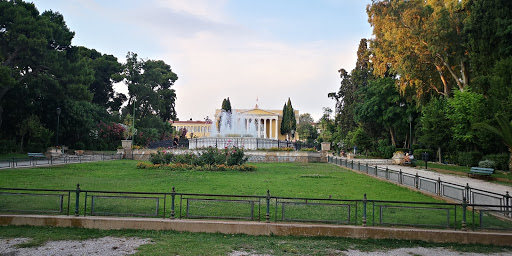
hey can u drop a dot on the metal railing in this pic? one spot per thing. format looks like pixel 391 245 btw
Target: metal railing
pixel 64 159
pixel 172 205
pixel 440 188
pixel 215 142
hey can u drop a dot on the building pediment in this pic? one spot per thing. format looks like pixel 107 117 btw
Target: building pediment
pixel 258 112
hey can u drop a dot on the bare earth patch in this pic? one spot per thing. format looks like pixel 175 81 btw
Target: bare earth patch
pixel 109 246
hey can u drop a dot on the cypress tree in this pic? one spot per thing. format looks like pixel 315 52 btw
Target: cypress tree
pixel 284 123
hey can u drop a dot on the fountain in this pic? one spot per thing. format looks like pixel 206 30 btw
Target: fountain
pixel 235 129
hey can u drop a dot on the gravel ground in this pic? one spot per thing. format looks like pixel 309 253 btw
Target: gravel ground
pixel 105 246
pixel 114 246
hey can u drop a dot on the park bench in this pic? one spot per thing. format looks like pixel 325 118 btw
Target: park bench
pixel 478 171
pixel 36 155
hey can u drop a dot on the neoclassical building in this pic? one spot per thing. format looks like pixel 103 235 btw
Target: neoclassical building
pixel 269 121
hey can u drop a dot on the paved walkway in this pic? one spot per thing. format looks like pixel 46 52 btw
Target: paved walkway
pixel 456 179
pixel 65 159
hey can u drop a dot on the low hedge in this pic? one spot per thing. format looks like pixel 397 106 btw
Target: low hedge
pixel 189 167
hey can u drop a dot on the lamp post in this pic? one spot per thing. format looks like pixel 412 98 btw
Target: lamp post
pixel 410 133
pixel 58 121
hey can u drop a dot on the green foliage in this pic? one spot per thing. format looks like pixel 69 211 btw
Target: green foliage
pixel 435 126
pixel 359 139
pixel 487 164
pixel 226 105
pixel 212 156
pixel 235 156
pixel 500 160
pixel 288 123
pixel 162 157
pixel 305 129
pixel 384 149
pixel 469 158
pixel 465 109
pixel 418 153
pixel 7 146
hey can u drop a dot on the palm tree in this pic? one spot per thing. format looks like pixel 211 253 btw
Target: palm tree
pixel 503 130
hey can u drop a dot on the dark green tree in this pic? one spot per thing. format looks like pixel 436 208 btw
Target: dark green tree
pixel 149 87
pixel 29 44
pixel 107 71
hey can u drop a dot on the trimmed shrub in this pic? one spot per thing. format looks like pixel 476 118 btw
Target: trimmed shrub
pixel 500 160
pixel 468 158
pixel 487 164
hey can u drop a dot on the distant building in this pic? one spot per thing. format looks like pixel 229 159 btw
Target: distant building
pixel 269 120
pixel 196 129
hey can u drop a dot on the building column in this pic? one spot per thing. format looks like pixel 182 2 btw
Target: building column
pixel 277 124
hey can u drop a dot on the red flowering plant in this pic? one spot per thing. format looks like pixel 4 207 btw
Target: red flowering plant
pixel 110 133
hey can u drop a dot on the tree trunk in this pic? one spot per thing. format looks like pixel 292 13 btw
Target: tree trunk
pixel 392 133
pixel 446 90
pixel 440 160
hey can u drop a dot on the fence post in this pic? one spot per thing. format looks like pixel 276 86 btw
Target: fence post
pixel 358 166
pixel 439 186
pixel 464 206
pixel 400 177
pixel 366 168
pixel 173 195
pixel 507 204
pixel 364 210
pixel 417 180
pixel 267 215
pixel 352 165
pixel 387 173
pixel 77 201
pixel 468 198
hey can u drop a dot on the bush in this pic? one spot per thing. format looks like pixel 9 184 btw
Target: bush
pixel 212 156
pixel 235 156
pixel 7 146
pixel 385 150
pixel 418 154
pixel 500 160
pixel 79 145
pixel 468 158
pixel 487 164
pixel 161 157
pixel 187 158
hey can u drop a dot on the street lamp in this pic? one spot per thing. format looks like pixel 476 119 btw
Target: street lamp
pixel 410 133
pixel 58 121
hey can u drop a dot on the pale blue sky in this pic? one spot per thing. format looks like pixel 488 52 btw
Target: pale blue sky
pixel 242 49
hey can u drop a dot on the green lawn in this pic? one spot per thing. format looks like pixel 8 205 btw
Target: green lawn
pixel 309 180
pixel 314 180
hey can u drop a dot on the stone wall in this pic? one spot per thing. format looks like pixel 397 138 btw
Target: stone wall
pixel 283 156
pixel 254 156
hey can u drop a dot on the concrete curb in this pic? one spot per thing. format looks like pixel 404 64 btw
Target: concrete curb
pixel 262 228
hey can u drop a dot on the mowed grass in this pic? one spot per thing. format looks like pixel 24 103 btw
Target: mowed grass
pixel 310 180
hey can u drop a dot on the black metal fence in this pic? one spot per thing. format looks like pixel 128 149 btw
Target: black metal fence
pixel 255 208
pixel 64 159
pixel 215 142
pixel 440 188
